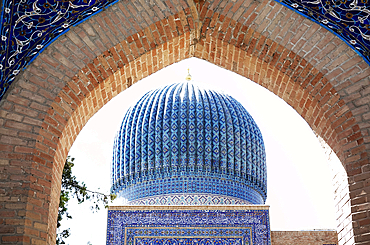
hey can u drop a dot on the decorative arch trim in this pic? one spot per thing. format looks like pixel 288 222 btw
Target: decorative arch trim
pixel 38 24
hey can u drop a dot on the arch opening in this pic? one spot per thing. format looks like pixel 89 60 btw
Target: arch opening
pixel 289 193
pixel 299 61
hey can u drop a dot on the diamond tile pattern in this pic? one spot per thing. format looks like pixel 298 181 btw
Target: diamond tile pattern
pixel 186 139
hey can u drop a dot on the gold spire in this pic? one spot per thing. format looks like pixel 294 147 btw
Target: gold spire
pixel 188 77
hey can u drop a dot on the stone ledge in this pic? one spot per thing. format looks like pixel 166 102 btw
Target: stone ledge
pixel 319 237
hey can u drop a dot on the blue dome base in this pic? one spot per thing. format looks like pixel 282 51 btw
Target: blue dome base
pixel 215 185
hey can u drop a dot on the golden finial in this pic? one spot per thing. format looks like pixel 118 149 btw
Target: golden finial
pixel 188 77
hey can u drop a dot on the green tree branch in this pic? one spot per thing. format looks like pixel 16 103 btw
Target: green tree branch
pixel 72 188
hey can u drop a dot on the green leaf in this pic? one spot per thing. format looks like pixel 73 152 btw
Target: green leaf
pixel 71 189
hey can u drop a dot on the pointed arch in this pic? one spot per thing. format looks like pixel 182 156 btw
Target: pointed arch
pixel 45 109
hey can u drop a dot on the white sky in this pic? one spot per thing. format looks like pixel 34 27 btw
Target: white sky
pixel 299 180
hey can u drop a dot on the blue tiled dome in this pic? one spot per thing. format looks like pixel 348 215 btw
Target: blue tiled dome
pixel 182 139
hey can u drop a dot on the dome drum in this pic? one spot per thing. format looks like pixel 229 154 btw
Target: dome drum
pixel 185 139
pixel 192 185
pixel 142 187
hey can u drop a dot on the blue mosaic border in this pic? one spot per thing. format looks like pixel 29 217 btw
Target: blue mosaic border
pixel 189 241
pixel 21 41
pixel 348 20
pixel 250 225
pixel 159 235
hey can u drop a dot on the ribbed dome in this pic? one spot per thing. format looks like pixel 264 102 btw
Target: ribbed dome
pixel 182 139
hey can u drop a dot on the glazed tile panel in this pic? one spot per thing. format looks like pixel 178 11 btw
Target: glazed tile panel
pixel 244 227
pixel 186 139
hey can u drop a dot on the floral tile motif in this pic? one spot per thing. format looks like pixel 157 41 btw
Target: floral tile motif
pixel 349 20
pixel 29 26
pixel 188 227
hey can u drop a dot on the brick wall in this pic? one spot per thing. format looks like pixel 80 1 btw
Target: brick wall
pixel 304 237
pixel 343 206
pixel 48 104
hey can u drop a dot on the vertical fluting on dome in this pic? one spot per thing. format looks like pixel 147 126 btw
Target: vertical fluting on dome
pixel 184 139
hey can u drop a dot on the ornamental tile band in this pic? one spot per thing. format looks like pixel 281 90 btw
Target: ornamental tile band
pixel 189 199
pixel 189 241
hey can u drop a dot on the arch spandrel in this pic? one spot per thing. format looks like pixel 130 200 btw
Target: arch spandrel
pixel 301 62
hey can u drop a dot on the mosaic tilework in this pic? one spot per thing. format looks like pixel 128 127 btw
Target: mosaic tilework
pixel 231 187
pixel 186 139
pixel 349 20
pixel 189 241
pixel 28 26
pixel 189 199
pixel 181 226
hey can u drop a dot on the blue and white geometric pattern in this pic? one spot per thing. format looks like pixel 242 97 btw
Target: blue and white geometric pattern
pixel 226 227
pixel 186 139
pixel 231 187
pixel 189 199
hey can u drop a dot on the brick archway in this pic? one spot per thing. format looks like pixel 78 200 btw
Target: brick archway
pixel 304 64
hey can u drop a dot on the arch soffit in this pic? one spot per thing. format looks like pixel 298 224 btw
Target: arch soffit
pixel 291 77
pixel 302 70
